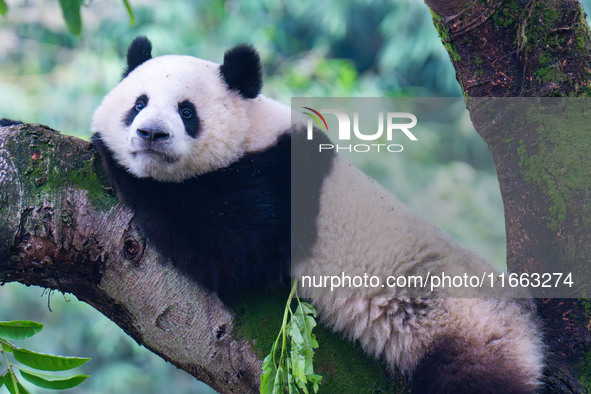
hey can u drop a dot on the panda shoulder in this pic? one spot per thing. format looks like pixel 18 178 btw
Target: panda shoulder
pixel 269 119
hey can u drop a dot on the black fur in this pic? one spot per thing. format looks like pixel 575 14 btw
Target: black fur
pixel 191 123
pixel 133 111
pixel 139 51
pixel 242 71
pixel 229 229
pixel 455 366
pixel 309 168
pixel 8 122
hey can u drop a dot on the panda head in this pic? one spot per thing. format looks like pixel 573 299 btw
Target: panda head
pixel 174 117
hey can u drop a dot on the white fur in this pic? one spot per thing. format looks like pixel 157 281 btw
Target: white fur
pixel 230 124
pixel 268 119
pixel 362 229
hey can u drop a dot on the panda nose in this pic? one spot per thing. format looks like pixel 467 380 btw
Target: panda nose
pixel 152 135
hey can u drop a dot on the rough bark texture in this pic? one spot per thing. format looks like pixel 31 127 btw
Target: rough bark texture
pixel 527 48
pixel 62 228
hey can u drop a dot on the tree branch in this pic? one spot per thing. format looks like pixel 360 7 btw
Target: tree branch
pixel 62 230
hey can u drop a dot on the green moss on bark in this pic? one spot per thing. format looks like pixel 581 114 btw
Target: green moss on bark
pixel 507 15
pixel 561 163
pixel 554 36
pixel 53 165
pixel 343 365
pixel 443 32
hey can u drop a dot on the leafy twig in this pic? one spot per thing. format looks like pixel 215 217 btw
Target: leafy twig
pixel 294 371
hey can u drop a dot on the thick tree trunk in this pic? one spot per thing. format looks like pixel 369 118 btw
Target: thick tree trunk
pixel 527 48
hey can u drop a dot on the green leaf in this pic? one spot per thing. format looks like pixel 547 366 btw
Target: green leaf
pixel 315 379
pixel 294 334
pixel 268 375
pixel 8 347
pixel 129 11
pixel 71 10
pixel 311 341
pixel 3 11
pixel 19 329
pixel 291 384
pixel 47 362
pixel 13 385
pixel 279 383
pixel 298 370
pixel 308 309
pixel 9 382
pixel 1 380
pixel 52 382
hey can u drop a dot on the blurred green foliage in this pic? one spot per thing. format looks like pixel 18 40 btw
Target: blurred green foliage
pixel 340 48
pixel 309 48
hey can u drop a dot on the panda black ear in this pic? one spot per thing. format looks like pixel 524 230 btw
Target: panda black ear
pixel 139 51
pixel 242 71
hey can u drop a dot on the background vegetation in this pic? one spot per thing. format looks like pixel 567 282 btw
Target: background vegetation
pixel 338 49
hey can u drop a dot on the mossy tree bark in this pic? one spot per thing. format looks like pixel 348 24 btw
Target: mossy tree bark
pixel 62 228
pixel 533 48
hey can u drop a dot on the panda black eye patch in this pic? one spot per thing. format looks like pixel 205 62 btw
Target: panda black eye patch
pixel 189 117
pixel 140 103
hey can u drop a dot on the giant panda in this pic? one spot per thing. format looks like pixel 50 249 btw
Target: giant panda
pixel 203 160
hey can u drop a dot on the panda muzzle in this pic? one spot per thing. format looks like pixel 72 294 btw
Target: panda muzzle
pixel 152 135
